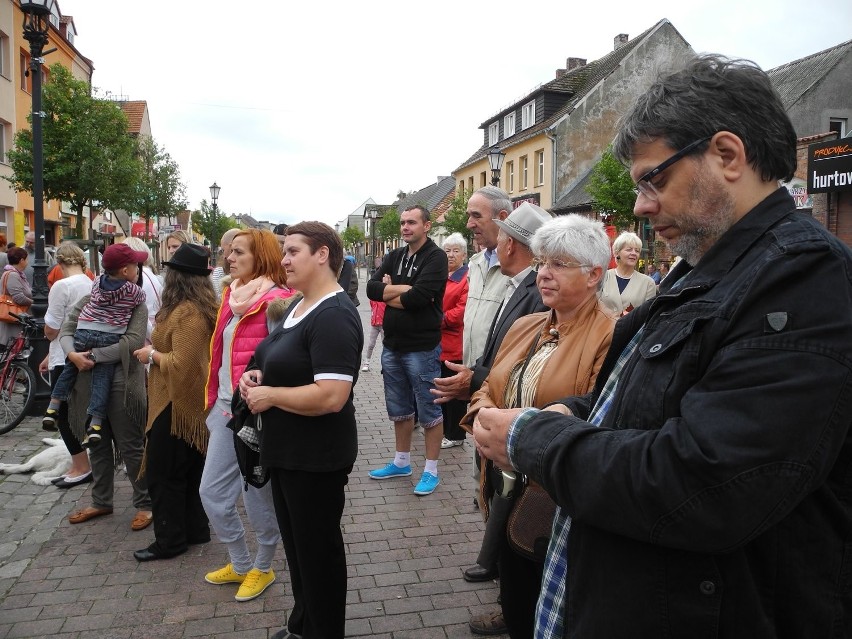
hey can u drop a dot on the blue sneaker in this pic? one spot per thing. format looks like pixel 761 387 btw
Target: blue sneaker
pixel 427 484
pixel 390 471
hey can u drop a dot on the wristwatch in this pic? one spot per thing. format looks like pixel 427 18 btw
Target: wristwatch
pixel 91 356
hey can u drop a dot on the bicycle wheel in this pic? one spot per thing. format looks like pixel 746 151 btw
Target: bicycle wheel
pixel 16 395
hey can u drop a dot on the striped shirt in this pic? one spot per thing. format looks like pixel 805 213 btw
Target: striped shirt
pixel 111 304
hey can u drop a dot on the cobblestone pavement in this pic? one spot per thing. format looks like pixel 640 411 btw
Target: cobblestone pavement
pixel 405 554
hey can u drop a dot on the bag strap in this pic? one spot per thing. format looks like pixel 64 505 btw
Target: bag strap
pixel 3 285
pixel 152 286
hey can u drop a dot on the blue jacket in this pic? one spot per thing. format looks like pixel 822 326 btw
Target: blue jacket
pixel 716 498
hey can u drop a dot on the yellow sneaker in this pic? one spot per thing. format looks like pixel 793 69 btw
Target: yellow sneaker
pixel 254 584
pixel 226 575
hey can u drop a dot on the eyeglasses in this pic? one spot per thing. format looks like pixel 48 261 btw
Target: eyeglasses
pixel 644 185
pixel 556 265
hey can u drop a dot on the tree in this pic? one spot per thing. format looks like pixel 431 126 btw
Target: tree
pixel 611 189
pixel 89 157
pixel 211 226
pixel 351 236
pixel 388 227
pixel 455 219
pixel 159 191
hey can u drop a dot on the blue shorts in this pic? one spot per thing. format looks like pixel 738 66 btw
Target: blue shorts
pixel 408 378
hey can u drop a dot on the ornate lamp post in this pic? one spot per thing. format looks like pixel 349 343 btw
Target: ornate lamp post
pixel 214 241
pixel 36 27
pixel 495 159
pixel 373 215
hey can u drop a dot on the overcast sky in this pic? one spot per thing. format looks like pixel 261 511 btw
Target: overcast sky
pixel 307 110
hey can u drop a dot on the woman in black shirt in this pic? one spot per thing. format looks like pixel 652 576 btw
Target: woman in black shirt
pixel 302 385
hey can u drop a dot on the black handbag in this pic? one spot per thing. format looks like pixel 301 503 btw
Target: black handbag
pixel 247 429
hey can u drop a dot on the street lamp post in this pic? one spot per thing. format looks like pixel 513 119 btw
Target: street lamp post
pixel 36 27
pixel 214 241
pixel 373 214
pixel 495 159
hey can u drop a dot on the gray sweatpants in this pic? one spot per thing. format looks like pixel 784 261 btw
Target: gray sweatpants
pixel 221 486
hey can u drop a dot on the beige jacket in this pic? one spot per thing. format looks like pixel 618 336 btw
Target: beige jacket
pixel 638 289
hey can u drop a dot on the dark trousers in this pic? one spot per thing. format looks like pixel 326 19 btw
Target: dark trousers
pixel 309 507
pixel 453 411
pixel 520 584
pixel 71 442
pixel 173 469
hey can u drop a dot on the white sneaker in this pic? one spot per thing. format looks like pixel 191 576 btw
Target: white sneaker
pixel 366 366
pixel 450 443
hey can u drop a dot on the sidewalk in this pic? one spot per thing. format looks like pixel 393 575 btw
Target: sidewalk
pixel 405 553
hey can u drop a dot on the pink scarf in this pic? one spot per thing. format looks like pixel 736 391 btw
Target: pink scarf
pixel 244 296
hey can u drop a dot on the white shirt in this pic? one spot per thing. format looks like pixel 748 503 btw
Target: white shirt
pixel 63 295
pixel 153 289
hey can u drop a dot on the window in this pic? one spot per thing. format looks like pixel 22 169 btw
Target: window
pixel 838 125
pixel 539 167
pixel 528 115
pixel 5 63
pixel 470 184
pixel 483 179
pixel 26 84
pixel 510 176
pixel 509 126
pixel 461 186
pixel 4 212
pixel 493 133
pixel 5 139
pixel 524 172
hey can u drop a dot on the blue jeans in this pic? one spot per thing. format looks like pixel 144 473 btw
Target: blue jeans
pixel 84 339
pixel 408 378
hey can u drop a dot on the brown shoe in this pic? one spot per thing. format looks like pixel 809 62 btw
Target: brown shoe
pixel 142 520
pixel 490 623
pixel 88 513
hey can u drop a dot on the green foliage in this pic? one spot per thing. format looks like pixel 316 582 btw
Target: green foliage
pixel 351 236
pixel 211 226
pixel 611 189
pixel 388 227
pixel 159 191
pixel 89 157
pixel 455 219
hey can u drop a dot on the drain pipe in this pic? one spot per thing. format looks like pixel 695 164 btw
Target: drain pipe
pixel 552 138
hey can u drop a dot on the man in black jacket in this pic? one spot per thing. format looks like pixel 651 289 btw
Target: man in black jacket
pixel 707 479
pixel 411 281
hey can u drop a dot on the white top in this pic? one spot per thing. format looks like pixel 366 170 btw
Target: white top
pixel 153 288
pixel 63 295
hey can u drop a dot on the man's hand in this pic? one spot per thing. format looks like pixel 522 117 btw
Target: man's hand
pixel 491 431
pixel 454 387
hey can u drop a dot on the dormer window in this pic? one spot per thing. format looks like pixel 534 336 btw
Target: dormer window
pixel 528 115
pixel 493 133
pixel 509 125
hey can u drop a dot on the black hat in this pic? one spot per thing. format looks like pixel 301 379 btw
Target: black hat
pixel 190 258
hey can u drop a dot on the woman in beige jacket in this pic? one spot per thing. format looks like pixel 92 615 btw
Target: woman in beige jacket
pixel 625 288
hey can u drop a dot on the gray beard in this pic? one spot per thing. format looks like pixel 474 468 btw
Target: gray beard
pixel 702 229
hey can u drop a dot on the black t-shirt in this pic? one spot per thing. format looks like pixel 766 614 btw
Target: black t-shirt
pixel 328 340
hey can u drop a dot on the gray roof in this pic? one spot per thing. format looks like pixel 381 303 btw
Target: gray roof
pixel 575 84
pixel 794 79
pixel 576 197
pixel 429 196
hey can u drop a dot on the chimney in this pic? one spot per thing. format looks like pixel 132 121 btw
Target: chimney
pixel 619 41
pixel 575 63
pixel 560 73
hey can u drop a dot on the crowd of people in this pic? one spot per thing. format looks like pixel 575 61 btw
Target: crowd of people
pixel 655 454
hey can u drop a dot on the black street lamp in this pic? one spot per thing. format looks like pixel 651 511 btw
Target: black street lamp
pixel 214 241
pixel 495 159
pixel 36 27
pixel 373 214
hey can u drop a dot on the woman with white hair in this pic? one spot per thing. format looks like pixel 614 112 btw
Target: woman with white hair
pixel 543 357
pixel 151 284
pixel 455 299
pixel 625 288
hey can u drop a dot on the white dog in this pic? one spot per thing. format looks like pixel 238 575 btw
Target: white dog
pixel 48 464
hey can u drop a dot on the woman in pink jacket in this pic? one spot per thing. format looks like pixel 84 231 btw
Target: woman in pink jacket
pixel 259 282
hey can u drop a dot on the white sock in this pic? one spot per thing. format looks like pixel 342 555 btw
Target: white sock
pixel 401 460
pixel 432 467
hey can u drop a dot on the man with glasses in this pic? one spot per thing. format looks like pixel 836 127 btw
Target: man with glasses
pixel 706 481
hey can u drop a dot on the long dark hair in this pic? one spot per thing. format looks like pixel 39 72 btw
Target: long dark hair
pixel 182 287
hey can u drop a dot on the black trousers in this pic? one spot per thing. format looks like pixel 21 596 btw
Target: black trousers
pixel 71 442
pixel 453 411
pixel 520 584
pixel 173 469
pixel 309 507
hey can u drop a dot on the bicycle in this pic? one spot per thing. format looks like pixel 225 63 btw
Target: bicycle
pixel 17 379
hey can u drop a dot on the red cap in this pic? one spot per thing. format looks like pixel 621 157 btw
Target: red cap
pixel 119 255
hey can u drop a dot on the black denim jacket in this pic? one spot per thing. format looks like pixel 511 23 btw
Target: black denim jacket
pixel 716 498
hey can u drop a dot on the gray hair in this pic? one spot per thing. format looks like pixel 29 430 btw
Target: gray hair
pixel 576 237
pixel 138 245
pixel 457 239
pixel 498 198
pixel 626 239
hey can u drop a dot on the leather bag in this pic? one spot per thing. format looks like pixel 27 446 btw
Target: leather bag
pixel 530 523
pixel 8 305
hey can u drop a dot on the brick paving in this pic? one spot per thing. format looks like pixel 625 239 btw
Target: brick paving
pixel 405 554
